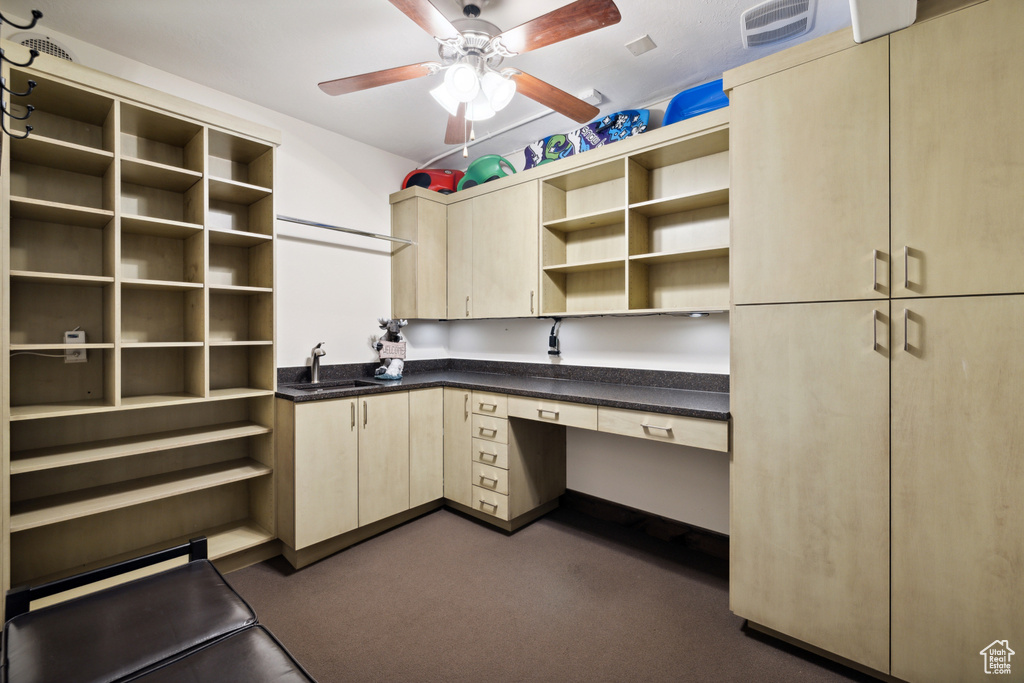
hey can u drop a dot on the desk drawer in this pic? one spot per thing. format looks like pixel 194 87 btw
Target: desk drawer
pixel 490 428
pixel 685 431
pixel 558 412
pixel 490 453
pixel 486 403
pixel 492 503
pixel 490 478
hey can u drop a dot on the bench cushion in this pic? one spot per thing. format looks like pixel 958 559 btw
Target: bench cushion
pixel 106 636
pixel 249 656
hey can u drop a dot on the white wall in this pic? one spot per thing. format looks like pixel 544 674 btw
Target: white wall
pixel 332 287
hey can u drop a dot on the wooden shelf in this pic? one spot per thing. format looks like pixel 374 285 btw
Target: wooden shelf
pixel 61 278
pixel 47 510
pixel 237 238
pixel 158 227
pixel 222 189
pixel 35 412
pixel 585 266
pixel 238 392
pixel 586 221
pixel 675 256
pixel 680 203
pixel 242 343
pixel 67 156
pixel 56 212
pixel 58 347
pixel 109 449
pixel 159 345
pixel 158 400
pixel 160 284
pixel 239 289
pixel 160 176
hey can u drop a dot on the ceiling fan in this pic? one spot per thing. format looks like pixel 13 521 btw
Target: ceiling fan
pixel 471 50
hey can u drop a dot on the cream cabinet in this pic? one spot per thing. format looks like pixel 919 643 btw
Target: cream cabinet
pixel 318 464
pixel 426 446
pixel 460 260
pixel 383 456
pixel 809 529
pixel 810 203
pixel 957 154
pixel 418 270
pixel 458 442
pixel 146 222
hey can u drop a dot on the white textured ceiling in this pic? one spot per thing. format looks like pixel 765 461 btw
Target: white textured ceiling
pixel 274 53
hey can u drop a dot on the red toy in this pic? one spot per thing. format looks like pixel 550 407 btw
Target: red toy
pixel 443 180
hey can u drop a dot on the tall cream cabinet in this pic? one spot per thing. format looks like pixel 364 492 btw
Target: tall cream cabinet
pixel 147 223
pixel 899 456
pixel 348 467
pixel 640 226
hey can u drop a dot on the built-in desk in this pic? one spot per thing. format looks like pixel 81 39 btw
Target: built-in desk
pixel 504 431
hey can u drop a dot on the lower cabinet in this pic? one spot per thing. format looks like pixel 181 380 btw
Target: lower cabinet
pixel 458 444
pixel 809 530
pixel 383 456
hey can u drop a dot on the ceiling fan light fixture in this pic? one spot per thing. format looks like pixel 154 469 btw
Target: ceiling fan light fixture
pixel 499 89
pixel 445 99
pixel 462 82
pixel 479 109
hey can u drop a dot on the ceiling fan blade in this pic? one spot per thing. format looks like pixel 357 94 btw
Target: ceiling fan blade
pixel 574 19
pixel 456 132
pixel 428 17
pixel 559 100
pixel 340 86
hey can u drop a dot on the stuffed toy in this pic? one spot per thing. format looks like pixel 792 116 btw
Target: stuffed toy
pixel 391 348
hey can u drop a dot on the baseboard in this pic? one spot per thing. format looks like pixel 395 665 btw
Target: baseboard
pixel 695 538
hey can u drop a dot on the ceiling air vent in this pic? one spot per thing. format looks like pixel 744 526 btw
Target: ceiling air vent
pixel 775 21
pixel 43 44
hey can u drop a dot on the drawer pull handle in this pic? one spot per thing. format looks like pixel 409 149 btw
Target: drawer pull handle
pixel 906 267
pixel 667 430
pixel 492 430
pixel 492 456
pixel 874 275
pixel 553 413
pixel 352 405
pixel 366 413
pixel 488 503
pixel 490 407
pixel 465 405
pixel 484 477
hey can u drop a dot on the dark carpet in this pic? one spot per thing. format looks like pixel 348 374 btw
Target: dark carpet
pixel 568 598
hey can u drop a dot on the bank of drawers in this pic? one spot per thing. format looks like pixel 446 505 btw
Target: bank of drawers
pixel 490 454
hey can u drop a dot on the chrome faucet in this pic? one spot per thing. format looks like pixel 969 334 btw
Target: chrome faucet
pixel 314 369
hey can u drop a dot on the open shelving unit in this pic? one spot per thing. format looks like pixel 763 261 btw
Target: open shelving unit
pixel 148 223
pixel 647 231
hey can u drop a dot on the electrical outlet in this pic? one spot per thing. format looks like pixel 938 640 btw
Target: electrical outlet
pixel 75 355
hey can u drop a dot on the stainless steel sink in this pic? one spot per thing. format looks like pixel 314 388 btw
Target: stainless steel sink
pixel 331 384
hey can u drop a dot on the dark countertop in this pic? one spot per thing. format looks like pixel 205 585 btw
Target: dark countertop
pixel 708 405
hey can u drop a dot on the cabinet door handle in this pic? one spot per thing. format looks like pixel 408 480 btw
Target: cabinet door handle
pixel 874 270
pixel 541 411
pixel 531 301
pixel 906 267
pixel 906 338
pixel 467 306
pixel 366 413
pixel 874 330
pixel 667 430
pixel 465 407
pixel 352 405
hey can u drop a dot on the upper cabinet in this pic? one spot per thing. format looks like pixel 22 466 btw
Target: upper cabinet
pixel 641 226
pixel 810 212
pixel 957 205
pixel 418 269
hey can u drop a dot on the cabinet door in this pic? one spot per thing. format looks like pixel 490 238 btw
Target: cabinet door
pixel 326 470
pixel 418 278
pixel 383 456
pixel 809 196
pixel 957 486
pixel 458 446
pixel 809 529
pixel 460 260
pixel 506 235
pixel 958 153
pixel 426 446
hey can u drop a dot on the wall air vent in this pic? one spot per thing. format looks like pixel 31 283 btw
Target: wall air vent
pixel 776 20
pixel 43 44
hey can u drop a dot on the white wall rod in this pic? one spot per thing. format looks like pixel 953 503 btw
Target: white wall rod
pixel 351 231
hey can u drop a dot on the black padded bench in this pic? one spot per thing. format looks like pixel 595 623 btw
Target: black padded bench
pixel 182 624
